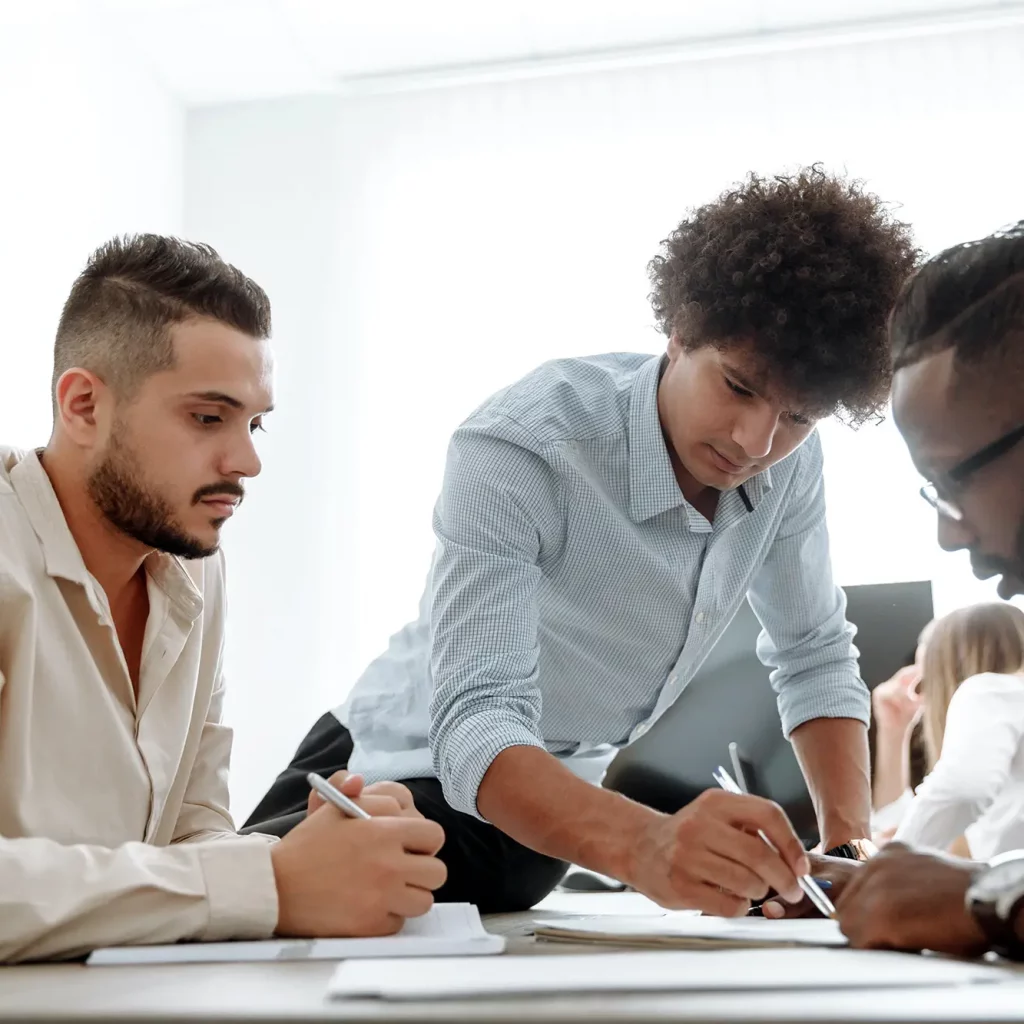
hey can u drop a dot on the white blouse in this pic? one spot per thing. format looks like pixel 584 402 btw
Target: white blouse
pixel 976 788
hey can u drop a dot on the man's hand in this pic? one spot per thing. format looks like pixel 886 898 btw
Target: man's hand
pixel 911 901
pixel 709 857
pixel 337 876
pixel 839 871
pixel 382 799
pixel 896 703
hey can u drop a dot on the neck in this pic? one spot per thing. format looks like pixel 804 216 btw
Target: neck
pixel 112 557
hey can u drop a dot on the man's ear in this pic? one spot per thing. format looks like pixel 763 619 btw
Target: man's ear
pixel 79 396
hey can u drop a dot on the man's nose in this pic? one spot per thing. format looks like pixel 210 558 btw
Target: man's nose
pixel 954 535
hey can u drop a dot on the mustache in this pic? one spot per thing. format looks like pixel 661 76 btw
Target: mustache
pixel 224 487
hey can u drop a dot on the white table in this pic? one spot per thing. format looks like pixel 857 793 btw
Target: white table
pixel 290 992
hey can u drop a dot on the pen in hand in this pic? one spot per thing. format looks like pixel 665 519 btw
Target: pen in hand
pixel 810 887
pixel 334 796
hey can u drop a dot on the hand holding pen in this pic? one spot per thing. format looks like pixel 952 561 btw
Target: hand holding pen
pixel 807 884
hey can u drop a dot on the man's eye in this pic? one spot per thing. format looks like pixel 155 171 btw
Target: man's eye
pixel 256 425
pixel 742 392
pixel 205 419
pixel 799 419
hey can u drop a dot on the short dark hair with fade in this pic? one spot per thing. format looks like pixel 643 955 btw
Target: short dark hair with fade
pixel 969 298
pixel 116 321
pixel 804 268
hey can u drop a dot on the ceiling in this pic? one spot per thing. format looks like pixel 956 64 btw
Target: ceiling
pixel 214 51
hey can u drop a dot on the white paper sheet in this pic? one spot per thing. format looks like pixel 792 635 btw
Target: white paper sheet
pixel 587 904
pixel 681 930
pixel 448 929
pixel 727 971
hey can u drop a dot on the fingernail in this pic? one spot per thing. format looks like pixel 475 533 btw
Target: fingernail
pixel 771 910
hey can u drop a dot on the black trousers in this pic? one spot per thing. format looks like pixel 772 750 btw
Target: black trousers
pixel 485 866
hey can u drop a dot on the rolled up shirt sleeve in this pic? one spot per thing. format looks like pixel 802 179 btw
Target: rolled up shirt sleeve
pixel 496 522
pixel 806 639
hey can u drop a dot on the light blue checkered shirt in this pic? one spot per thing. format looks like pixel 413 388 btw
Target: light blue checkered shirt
pixel 574 591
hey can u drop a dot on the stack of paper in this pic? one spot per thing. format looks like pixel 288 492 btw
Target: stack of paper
pixel 449 929
pixel 684 931
pixel 725 971
pixel 597 904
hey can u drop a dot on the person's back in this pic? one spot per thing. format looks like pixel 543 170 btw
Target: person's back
pixel 969 694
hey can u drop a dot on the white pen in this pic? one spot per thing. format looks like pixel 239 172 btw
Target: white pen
pixel 810 887
pixel 333 796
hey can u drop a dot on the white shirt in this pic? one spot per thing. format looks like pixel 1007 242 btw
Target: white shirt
pixel 107 805
pixel 977 786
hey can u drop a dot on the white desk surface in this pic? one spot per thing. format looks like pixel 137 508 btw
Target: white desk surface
pixel 290 992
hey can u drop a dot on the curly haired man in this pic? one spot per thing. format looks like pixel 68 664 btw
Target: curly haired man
pixel 600 521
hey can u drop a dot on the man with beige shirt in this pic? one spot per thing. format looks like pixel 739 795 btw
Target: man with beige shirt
pixel 114 825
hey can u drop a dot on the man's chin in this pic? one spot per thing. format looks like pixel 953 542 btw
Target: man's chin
pixel 1010 584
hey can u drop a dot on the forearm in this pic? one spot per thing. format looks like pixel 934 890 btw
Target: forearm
pixel 892 767
pixel 535 799
pixel 833 754
pixel 62 901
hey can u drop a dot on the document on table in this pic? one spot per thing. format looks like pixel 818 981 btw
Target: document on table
pixel 448 929
pixel 685 931
pixel 597 904
pixel 715 971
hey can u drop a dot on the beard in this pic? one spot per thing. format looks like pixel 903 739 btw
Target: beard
pixel 116 487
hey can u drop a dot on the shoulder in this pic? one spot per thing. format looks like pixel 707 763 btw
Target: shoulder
pixel 18 552
pixel 987 687
pixel 810 460
pixel 562 400
pixel 796 477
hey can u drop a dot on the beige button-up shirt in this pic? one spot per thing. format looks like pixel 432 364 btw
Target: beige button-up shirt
pixel 114 823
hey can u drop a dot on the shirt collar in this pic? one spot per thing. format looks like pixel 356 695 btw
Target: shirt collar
pixel 653 487
pixel 61 556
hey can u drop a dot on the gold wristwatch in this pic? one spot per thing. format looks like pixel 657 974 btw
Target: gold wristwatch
pixel 853 849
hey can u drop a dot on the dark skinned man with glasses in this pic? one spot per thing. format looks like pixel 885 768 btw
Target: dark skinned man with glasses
pixel 957 333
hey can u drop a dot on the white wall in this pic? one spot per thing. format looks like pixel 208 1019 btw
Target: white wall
pixel 424 249
pixel 90 146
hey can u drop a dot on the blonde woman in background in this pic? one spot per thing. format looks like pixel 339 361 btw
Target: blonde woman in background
pixel 967 689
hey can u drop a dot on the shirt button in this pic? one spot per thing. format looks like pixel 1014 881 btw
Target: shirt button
pixel 700 617
pixel 641 729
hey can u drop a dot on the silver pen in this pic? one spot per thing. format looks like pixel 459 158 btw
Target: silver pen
pixel 334 796
pixel 810 887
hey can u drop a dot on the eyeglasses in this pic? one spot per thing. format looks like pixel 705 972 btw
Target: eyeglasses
pixel 956 477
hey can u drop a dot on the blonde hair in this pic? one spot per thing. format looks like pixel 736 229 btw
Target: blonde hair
pixel 964 643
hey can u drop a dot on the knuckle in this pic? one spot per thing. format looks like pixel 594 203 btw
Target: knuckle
pixel 758 890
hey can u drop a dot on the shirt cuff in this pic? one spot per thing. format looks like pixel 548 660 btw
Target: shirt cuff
pixel 241 890
pixel 802 702
pixel 466 752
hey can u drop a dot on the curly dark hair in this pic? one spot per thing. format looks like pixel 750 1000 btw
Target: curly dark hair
pixel 804 268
